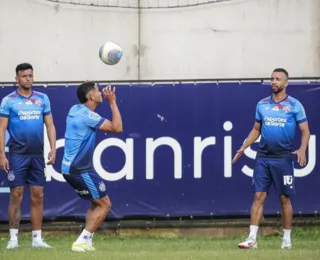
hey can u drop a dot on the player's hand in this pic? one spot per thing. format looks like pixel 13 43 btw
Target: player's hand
pixel 4 164
pixel 238 154
pixel 109 93
pixel 301 157
pixel 51 157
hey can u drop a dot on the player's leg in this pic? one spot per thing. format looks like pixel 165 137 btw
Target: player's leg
pixel 88 217
pixel 97 214
pixel 16 195
pixel 16 180
pixel 36 180
pixel 90 186
pixel 286 209
pixel 94 218
pixel 36 214
pixel 100 206
pixel 261 182
pixel 282 171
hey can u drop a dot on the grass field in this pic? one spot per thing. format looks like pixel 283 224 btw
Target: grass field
pixel 305 246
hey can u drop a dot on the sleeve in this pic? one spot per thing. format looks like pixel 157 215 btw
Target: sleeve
pixel 46 105
pixel 5 107
pixel 93 119
pixel 300 113
pixel 258 115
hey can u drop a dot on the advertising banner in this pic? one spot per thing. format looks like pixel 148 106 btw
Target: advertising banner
pixel 174 156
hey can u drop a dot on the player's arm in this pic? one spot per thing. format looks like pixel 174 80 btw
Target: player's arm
pixel 252 137
pixel 4 119
pixel 3 128
pixel 4 163
pixel 115 125
pixel 305 135
pixel 255 132
pixel 301 119
pixel 51 130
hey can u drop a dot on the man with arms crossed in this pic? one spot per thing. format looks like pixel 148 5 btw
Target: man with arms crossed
pixel 24 112
pixel 77 166
pixel 276 120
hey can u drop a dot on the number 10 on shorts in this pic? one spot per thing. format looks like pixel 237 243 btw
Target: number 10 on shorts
pixel 287 179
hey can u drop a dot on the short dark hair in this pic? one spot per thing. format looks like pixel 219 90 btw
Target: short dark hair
pixel 282 70
pixel 83 91
pixel 23 66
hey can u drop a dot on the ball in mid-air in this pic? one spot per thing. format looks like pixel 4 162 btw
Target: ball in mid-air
pixel 110 53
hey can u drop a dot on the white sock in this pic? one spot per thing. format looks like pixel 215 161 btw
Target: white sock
pixel 287 234
pixel 36 234
pixel 89 241
pixel 253 232
pixel 14 234
pixel 83 238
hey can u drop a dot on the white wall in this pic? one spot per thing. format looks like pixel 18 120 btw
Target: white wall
pixel 62 43
pixel 232 39
pixel 222 40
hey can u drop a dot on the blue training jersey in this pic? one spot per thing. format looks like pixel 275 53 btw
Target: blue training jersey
pixel 80 137
pixel 25 122
pixel 278 125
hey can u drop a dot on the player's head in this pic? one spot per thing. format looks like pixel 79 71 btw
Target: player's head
pixel 279 80
pixel 24 75
pixel 89 92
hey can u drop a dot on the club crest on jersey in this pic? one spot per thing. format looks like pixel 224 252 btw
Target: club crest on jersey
pixel 11 176
pixel 286 109
pixel 102 186
pixel 38 102
pixel 93 115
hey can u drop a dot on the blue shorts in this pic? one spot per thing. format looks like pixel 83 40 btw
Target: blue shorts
pixel 276 171
pixel 26 170
pixel 89 186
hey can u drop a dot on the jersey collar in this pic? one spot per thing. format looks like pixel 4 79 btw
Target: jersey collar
pixel 272 101
pixel 24 96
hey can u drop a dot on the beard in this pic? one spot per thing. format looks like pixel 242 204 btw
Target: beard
pixel 277 90
pixel 25 87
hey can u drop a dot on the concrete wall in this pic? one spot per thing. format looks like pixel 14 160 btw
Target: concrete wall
pixel 232 39
pixel 62 41
pixel 221 40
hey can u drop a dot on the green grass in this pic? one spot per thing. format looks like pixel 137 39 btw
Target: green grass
pixel 305 242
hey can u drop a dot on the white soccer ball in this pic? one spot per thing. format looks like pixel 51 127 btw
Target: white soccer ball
pixel 110 53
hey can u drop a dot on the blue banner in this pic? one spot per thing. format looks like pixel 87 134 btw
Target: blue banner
pixel 174 156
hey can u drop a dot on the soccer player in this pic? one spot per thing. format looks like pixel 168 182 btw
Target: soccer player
pixel 276 120
pixel 24 113
pixel 77 167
